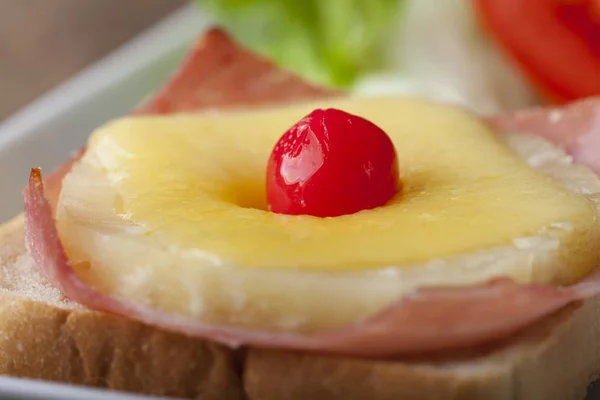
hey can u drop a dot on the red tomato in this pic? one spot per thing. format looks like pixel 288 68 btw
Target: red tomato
pixel 555 42
pixel 331 163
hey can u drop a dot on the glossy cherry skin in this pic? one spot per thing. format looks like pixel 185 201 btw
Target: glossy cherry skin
pixel 331 163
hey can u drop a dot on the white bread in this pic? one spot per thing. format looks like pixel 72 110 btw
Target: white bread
pixel 45 336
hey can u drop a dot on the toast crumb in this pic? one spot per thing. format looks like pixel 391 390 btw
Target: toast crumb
pixel 19 275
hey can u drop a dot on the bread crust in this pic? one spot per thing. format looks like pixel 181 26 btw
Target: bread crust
pixel 45 336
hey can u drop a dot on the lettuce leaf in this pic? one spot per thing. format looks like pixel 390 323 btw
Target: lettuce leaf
pixel 331 42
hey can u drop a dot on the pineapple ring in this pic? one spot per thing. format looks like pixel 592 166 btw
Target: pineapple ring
pixel 471 210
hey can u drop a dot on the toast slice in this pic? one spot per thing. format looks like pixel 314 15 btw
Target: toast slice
pixel 46 336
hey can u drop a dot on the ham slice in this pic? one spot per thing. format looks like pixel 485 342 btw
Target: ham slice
pixel 218 73
pixel 430 319
pixel 574 127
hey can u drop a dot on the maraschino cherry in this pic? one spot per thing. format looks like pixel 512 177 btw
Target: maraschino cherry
pixel 331 163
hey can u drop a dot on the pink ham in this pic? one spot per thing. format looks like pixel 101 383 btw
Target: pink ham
pixel 575 128
pixel 430 319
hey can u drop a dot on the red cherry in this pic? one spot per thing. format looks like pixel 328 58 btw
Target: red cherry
pixel 331 163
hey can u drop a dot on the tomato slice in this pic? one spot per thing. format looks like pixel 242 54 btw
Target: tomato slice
pixel 555 42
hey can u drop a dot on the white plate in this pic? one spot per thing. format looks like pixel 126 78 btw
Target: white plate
pixel 45 132
pixel 26 389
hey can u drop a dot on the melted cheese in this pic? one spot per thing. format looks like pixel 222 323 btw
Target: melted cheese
pixel 172 210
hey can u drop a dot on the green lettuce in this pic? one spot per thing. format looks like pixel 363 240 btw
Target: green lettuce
pixel 331 42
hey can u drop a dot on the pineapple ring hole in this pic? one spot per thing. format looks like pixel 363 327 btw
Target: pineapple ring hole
pixel 247 195
pixel 244 188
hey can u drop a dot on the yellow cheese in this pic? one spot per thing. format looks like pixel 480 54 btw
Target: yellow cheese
pixel 182 205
